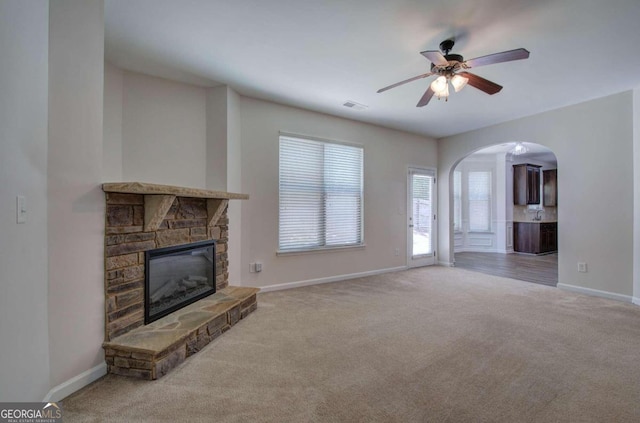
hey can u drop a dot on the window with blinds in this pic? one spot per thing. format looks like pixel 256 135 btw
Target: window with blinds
pixel 320 194
pixel 457 200
pixel 479 201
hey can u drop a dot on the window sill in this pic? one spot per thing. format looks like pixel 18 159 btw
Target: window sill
pixel 481 232
pixel 319 250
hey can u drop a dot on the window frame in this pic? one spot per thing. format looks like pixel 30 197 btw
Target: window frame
pixel 321 248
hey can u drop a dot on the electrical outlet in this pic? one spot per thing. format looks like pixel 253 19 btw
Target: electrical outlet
pixel 396 252
pixel 582 267
pixel 252 268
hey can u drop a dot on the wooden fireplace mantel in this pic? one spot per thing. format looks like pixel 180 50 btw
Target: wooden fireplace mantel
pixel 159 198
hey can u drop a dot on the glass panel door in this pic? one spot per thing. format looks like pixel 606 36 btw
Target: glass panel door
pixel 421 207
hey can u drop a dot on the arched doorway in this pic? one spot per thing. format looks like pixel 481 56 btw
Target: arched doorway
pixel 504 212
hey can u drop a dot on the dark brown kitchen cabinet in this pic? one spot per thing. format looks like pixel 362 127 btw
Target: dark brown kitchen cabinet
pixel 526 184
pixel 550 187
pixel 534 237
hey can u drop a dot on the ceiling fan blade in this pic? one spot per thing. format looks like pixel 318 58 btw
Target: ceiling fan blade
pixel 397 84
pixel 426 97
pixel 481 83
pixel 435 57
pixel 505 56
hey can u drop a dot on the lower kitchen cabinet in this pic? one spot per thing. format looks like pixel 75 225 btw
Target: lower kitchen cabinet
pixel 535 237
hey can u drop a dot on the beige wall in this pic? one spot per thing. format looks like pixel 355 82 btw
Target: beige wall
pixel 161 131
pixel 164 131
pixel 76 202
pixel 636 196
pixel 593 143
pixel 233 158
pixel 387 153
pixel 24 349
pixel 216 128
pixel 234 184
pixel 112 124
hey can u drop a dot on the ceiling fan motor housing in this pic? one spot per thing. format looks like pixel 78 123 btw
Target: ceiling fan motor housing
pixel 446 46
pixel 455 63
pixel 454 58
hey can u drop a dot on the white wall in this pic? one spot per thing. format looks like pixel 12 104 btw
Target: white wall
pixel 636 196
pixel 216 128
pixel 593 144
pixel 76 201
pixel 234 184
pixel 24 350
pixel 164 131
pixel 387 153
pixel 112 128
pixel 504 203
pixel 224 164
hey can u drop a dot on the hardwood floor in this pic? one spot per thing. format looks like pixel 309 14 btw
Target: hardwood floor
pixel 541 269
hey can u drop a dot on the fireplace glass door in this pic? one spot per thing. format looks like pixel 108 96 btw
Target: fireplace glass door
pixel 178 276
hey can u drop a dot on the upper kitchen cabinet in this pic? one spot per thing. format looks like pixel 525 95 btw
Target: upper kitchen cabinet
pixel 550 187
pixel 526 184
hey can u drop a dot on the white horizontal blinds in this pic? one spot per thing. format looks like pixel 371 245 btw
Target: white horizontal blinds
pixel 422 210
pixel 320 194
pixel 343 190
pixel 457 200
pixel 301 194
pixel 479 201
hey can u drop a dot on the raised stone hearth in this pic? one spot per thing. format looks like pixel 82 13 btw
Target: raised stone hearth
pixel 150 351
pixel 142 217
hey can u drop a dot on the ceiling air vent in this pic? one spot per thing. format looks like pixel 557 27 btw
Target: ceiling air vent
pixel 355 106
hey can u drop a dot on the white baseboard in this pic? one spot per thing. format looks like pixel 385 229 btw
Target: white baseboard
pixel 446 263
pixel 636 300
pixel 57 393
pixel 596 292
pixel 289 285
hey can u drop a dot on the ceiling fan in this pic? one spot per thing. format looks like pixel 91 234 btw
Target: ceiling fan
pixel 453 68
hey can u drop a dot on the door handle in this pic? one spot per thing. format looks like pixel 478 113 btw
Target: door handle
pixel 411 226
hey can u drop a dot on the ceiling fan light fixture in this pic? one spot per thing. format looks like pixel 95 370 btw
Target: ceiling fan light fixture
pixel 519 149
pixel 459 82
pixel 440 87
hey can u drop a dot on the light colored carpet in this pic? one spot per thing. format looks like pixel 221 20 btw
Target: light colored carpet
pixel 426 345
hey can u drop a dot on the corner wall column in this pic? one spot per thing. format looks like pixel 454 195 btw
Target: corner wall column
pixel 636 196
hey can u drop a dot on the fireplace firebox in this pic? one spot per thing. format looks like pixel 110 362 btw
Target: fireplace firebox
pixel 178 276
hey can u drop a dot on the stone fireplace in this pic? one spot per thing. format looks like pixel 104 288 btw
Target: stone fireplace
pixel 144 221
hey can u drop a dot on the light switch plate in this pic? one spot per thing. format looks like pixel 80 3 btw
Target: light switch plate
pixel 21 209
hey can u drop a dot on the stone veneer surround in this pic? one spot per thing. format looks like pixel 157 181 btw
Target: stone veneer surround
pixel 126 242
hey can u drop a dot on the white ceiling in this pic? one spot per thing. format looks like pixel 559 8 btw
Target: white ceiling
pixel 318 54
